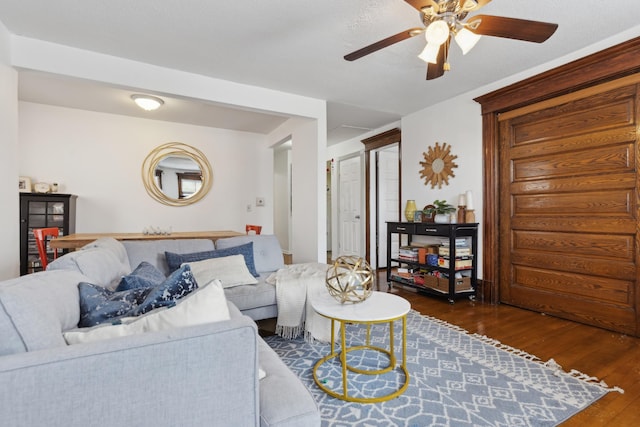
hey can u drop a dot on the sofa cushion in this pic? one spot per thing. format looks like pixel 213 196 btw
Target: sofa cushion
pixel 205 305
pixel 152 251
pixel 267 253
pixel 99 304
pixel 112 245
pixel 103 261
pixel 36 308
pixel 175 260
pixel 292 404
pixel 230 271
pixel 248 297
pixel 144 275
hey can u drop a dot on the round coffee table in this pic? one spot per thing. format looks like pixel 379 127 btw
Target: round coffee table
pixel 380 307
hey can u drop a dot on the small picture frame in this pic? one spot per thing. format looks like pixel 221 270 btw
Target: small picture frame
pixel 417 216
pixel 24 184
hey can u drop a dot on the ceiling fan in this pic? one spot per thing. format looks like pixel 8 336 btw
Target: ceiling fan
pixel 447 19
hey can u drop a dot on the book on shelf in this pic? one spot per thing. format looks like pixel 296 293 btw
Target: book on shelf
pixel 460 262
pixel 408 253
pixel 460 242
pixel 460 251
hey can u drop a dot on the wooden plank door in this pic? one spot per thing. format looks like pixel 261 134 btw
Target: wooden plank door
pixel 568 206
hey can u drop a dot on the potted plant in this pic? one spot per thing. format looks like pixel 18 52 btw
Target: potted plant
pixel 441 209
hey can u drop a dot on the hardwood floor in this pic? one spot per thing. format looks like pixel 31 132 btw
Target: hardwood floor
pixel 609 356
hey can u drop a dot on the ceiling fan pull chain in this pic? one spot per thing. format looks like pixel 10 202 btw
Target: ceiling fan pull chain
pixel 446 66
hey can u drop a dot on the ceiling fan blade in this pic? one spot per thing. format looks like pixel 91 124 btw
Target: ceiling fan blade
pixel 511 28
pixel 478 4
pixel 383 43
pixel 420 4
pixel 436 70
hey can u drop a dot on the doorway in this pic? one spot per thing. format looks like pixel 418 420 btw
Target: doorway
pixel 382 202
pixel 350 228
pixel 282 195
pixel 387 200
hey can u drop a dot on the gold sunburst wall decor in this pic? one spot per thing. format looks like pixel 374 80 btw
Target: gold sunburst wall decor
pixel 438 165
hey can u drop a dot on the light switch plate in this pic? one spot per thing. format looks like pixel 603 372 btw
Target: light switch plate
pixel 259 201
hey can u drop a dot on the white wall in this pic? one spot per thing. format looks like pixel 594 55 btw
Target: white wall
pixel 442 124
pixel 309 204
pixel 99 157
pixel 308 127
pixel 9 232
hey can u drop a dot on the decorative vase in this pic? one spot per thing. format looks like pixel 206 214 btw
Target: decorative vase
pixel 441 218
pixel 410 210
pixel 350 279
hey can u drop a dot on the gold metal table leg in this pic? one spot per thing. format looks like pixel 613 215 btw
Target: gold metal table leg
pixel 343 361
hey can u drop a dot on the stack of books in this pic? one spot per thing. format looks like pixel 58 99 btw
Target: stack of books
pixel 408 253
pixel 464 257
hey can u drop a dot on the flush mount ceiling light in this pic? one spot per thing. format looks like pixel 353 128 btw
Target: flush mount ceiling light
pixel 147 102
pixel 447 19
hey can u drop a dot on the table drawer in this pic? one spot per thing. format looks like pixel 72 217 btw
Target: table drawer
pixel 432 229
pixel 401 227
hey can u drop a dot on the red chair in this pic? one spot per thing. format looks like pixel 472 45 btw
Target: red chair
pixel 255 228
pixel 41 235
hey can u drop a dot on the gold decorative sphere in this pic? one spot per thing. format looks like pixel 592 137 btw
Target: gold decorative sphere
pixel 350 279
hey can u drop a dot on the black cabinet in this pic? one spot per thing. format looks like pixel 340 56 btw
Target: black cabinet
pixel 40 211
pixel 448 267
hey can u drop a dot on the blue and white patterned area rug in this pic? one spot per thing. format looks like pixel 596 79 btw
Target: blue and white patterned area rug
pixel 456 379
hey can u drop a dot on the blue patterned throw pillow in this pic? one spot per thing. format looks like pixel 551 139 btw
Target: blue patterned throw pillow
pixel 179 284
pixel 100 305
pixel 145 275
pixel 174 261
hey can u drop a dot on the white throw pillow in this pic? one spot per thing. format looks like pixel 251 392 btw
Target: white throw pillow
pixel 207 304
pixel 230 270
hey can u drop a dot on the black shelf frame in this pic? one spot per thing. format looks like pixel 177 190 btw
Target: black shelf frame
pixel 450 231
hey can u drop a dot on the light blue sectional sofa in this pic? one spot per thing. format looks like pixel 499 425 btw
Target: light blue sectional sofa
pixel 204 375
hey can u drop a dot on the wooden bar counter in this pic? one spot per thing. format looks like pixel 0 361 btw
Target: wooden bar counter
pixel 77 240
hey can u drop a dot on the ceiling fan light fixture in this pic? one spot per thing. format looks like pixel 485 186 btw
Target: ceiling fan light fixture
pixel 437 32
pixel 470 5
pixel 466 40
pixel 430 53
pixel 147 102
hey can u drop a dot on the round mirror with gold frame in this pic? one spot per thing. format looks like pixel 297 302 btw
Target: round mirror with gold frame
pixel 177 174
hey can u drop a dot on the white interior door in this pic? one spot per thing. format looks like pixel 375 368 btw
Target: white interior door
pixel 388 170
pixel 350 199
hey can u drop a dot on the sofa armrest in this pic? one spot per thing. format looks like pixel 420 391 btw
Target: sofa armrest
pixel 195 376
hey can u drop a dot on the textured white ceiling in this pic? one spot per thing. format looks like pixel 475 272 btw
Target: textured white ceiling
pixel 297 46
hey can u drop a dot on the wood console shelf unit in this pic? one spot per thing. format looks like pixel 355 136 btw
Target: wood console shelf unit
pixel 452 273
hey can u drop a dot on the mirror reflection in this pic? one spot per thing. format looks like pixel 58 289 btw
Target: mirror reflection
pixel 178 177
pixel 176 174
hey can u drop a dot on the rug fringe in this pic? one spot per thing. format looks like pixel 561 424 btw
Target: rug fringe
pixel 551 363
pixel 505 347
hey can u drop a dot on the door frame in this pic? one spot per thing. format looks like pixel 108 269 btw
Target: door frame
pixel 375 142
pixel 609 64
